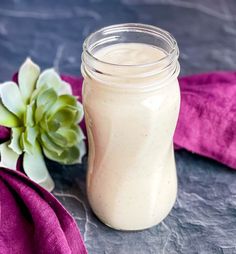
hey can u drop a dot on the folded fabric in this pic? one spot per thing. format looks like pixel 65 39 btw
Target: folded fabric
pixel 32 220
pixel 4 134
pixel 207 120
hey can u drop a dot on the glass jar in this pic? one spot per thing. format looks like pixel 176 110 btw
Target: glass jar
pixel 131 110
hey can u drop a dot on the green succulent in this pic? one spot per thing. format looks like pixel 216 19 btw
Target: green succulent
pixel 43 116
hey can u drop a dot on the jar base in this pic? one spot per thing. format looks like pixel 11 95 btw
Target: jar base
pixel 127 229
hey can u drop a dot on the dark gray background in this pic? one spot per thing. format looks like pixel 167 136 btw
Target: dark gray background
pixel 52 31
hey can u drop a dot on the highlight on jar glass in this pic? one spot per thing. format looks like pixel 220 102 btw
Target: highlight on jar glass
pixel 131 101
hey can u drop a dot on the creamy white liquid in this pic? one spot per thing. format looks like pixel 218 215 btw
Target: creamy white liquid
pixel 130 54
pixel 131 181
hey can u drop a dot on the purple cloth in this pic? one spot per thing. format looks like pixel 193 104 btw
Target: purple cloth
pixel 32 220
pixel 4 134
pixel 207 121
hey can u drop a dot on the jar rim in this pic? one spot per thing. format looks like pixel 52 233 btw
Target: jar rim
pixel 135 27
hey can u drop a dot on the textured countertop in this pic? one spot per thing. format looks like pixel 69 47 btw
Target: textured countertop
pixel 203 219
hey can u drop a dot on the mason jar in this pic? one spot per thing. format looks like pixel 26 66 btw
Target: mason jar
pixel 131 100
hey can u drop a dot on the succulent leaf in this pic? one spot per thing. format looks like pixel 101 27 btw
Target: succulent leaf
pixel 47 98
pixel 65 116
pixel 39 113
pixel 27 77
pixel 68 156
pixel 80 112
pixel 70 136
pixel 82 149
pixel 36 169
pixel 62 101
pixel 27 147
pixel 8 156
pixel 50 79
pixel 7 118
pixel 53 125
pixel 58 139
pixel 31 134
pixel 12 99
pixel 15 140
pixel 29 115
pixel 65 88
pixel 50 145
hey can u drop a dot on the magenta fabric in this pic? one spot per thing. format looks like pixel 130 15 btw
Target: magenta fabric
pixel 4 134
pixel 32 220
pixel 207 121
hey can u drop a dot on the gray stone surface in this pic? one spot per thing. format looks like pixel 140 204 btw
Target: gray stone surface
pixel 51 32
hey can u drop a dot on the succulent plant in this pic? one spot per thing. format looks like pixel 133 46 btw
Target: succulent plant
pixel 43 116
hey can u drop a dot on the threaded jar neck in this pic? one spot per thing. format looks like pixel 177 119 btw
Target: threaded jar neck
pixel 110 73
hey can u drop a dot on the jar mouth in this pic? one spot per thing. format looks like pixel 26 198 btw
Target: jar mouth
pixel 147 75
pixel 91 43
